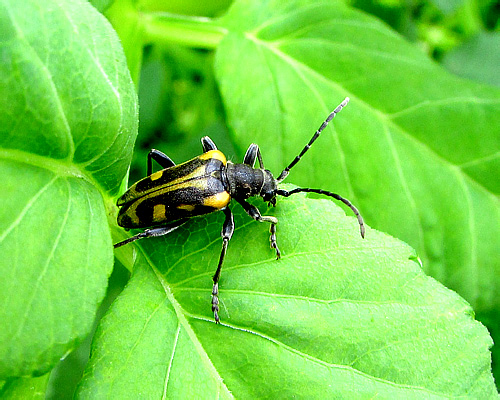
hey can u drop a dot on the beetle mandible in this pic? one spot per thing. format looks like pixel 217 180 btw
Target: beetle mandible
pixel 166 199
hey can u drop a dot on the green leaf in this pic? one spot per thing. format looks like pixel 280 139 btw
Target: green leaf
pixel 67 122
pixel 65 93
pixel 336 316
pixel 416 149
pixel 25 388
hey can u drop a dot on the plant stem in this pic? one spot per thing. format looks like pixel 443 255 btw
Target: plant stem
pixel 185 30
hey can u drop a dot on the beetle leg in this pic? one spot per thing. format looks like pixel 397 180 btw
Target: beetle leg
pixel 208 144
pixel 253 153
pixel 226 233
pixel 161 158
pixel 256 215
pixel 161 231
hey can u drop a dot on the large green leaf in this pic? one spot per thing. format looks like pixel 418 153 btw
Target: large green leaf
pixel 65 92
pixel 67 121
pixel 337 316
pixel 416 149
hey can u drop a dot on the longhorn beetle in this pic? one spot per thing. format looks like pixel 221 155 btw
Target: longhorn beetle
pixel 166 199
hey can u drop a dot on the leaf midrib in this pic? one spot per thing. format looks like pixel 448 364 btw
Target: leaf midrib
pixel 62 168
pixel 181 315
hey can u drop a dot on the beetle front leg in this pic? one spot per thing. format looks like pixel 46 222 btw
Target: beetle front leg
pixel 256 215
pixel 226 233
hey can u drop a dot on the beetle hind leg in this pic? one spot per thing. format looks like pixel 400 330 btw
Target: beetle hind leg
pixel 154 232
pixel 226 233
pixel 272 239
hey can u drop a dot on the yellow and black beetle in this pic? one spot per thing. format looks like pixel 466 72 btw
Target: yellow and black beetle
pixel 166 199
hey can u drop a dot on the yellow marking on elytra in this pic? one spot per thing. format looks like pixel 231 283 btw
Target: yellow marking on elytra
pixel 133 216
pixel 218 155
pixel 218 200
pixel 187 207
pixel 159 212
pixel 156 175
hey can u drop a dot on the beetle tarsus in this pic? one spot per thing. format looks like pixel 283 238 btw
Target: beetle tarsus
pixel 272 239
pixel 215 302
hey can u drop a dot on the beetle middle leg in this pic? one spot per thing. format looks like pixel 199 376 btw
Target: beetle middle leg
pixel 254 212
pixel 226 233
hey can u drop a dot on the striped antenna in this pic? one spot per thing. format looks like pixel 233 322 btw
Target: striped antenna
pixel 286 171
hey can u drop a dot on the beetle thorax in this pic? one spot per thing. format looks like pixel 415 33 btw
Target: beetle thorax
pixel 245 181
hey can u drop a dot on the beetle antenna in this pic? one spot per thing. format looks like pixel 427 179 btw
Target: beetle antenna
pixel 286 193
pixel 286 171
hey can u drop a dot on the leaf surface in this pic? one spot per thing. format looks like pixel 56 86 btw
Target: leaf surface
pixel 336 316
pixel 25 388
pixel 65 92
pixel 477 58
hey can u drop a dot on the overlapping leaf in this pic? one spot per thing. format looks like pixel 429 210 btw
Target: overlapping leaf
pixel 335 316
pixel 67 122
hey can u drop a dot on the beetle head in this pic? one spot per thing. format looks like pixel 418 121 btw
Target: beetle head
pixel 269 187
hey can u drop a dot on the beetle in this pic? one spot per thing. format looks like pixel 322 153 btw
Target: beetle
pixel 166 199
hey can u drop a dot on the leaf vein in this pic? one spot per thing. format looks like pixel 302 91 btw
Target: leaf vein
pixel 136 343
pixel 316 360
pixel 181 315
pixel 50 80
pixel 406 190
pixel 44 270
pixel 472 275
pixel 23 212
pixel 171 361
